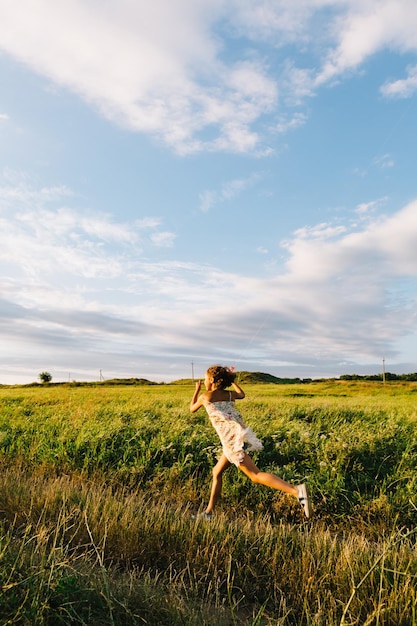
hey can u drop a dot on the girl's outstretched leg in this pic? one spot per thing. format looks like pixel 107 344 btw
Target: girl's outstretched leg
pixel 216 488
pixel 249 468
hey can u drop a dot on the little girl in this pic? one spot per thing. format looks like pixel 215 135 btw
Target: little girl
pixel 235 437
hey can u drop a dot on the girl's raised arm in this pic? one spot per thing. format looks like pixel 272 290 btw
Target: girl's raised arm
pixel 196 401
pixel 239 393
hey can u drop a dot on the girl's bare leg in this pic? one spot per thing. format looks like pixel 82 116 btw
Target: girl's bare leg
pixel 216 488
pixel 249 468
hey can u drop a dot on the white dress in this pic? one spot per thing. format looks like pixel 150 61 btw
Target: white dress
pixel 235 436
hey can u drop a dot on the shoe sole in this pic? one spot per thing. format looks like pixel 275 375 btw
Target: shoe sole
pixel 305 503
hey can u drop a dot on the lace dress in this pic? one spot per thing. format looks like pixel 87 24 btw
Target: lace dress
pixel 236 438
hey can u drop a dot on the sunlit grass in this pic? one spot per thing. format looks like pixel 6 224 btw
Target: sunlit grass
pixel 97 487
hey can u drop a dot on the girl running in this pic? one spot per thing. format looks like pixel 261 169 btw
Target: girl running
pixel 236 438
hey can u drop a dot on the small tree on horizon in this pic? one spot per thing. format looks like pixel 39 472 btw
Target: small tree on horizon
pixel 45 377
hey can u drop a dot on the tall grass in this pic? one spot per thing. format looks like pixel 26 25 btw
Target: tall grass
pixel 75 552
pixel 98 485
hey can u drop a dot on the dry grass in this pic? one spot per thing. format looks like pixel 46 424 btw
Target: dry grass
pixel 97 489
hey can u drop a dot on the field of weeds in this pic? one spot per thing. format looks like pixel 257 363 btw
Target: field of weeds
pixel 98 486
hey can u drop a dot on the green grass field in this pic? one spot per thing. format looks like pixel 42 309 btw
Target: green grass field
pixel 98 485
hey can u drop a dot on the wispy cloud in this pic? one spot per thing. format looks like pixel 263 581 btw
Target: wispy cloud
pixel 364 28
pixel 164 69
pixel 384 161
pixel 285 124
pixel 163 239
pixel 155 68
pixel 82 285
pixel 26 195
pixel 229 190
pixel 403 87
pixel 366 208
pixel 75 289
pixel 41 237
pixel 383 248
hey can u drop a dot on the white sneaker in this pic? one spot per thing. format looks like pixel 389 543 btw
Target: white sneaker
pixel 206 516
pixel 304 499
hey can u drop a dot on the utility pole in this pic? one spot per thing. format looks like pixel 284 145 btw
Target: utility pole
pixel 192 371
pixel 383 370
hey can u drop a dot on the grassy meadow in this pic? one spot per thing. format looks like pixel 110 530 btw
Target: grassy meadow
pixel 98 485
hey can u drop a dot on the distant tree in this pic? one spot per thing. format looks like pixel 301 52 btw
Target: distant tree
pixel 45 377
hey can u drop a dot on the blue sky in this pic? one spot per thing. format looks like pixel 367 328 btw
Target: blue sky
pixel 197 182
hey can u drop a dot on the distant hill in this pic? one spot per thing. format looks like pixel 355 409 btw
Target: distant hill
pixel 261 377
pixel 129 381
pixel 256 377
pixel 95 383
pixel 251 378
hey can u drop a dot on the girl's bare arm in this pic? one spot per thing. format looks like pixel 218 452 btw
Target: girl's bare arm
pixel 196 401
pixel 239 393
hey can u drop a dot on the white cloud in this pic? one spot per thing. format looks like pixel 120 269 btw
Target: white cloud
pixel 208 199
pixel 81 284
pixel 40 237
pixel 285 124
pixel 384 161
pixel 163 239
pixel 229 190
pixel 26 195
pixel 320 231
pixel 86 283
pixel 385 248
pixel 153 67
pixel 164 68
pixel 365 208
pixel 366 28
pixel 280 21
pixel 402 88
